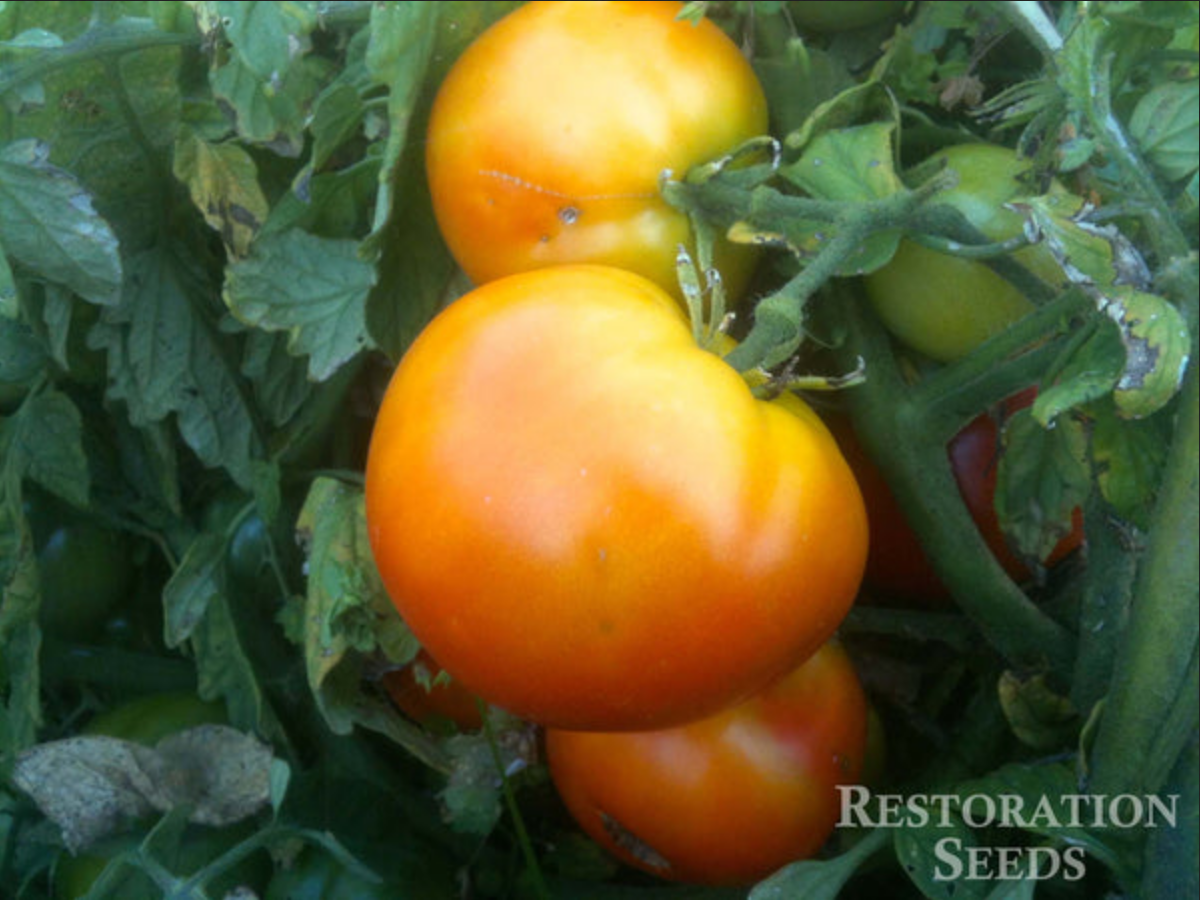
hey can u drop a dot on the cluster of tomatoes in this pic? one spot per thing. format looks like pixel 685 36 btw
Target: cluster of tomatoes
pixel 585 517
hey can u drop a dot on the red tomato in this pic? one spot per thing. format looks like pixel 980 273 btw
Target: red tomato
pixel 549 136
pixel 728 799
pixel 419 692
pixel 897 567
pixel 590 521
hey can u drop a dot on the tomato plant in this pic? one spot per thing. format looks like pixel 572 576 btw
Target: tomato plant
pixel 945 306
pixel 897 566
pixel 730 798
pixel 633 496
pixel 423 691
pixel 549 136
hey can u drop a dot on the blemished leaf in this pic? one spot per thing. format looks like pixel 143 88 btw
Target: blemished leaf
pixel 165 356
pixel 1039 717
pixel 223 182
pixel 46 446
pixel 1089 375
pixel 267 82
pixel 1042 477
pixel 91 786
pixel 1157 350
pixel 48 224
pixel 313 288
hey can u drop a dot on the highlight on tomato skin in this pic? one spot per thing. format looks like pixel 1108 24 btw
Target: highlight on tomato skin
pixel 590 521
pixel 550 134
pixel 728 799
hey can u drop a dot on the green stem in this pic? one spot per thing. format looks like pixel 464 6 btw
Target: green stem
pixel 1155 666
pixel 895 430
pixel 514 810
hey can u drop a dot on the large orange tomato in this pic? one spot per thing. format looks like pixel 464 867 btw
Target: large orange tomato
pixel 548 137
pixel 590 521
pixel 730 798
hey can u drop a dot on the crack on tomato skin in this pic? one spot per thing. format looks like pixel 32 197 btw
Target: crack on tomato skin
pixel 571 210
pixel 633 845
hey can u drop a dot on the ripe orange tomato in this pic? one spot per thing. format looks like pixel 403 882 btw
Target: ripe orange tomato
pixel 590 521
pixel 418 692
pixel 727 799
pixel 548 137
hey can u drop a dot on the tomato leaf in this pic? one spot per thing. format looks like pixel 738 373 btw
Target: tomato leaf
pixel 46 445
pixel 1128 456
pixel 1041 479
pixel 1166 123
pixel 48 224
pixel 21 356
pixel 820 879
pixel 166 356
pixel 1039 717
pixel 20 637
pixel 933 856
pixel 223 183
pixel 313 288
pixel 1088 375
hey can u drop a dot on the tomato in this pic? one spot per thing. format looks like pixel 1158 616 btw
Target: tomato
pixel 727 799
pixel 944 306
pixel 897 567
pixel 85 570
pixel 843 15
pixel 548 138
pixel 149 719
pixel 427 698
pixel 590 521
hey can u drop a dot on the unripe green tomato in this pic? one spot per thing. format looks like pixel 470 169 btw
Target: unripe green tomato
pixel 944 306
pixel 149 719
pixel 85 573
pixel 843 15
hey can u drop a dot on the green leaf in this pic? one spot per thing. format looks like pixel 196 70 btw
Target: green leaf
pixel 313 288
pixel 109 119
pixel 267 37
pixel 48 224
pixel 1042 478
pixel 797 80
pixel 820 879
pixel 1128 456
pixel 933 850
pixel 223 182
pixel 165 355
pixel 46 446
pixel 21 355
pixel 401 46
pixel 1166 124
pixel 280 380
pixel 195 583
pixel 8 288
pixel 1090 374
pixel 20 637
